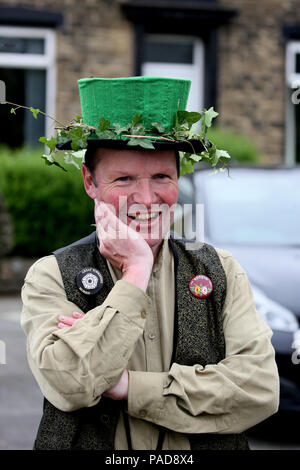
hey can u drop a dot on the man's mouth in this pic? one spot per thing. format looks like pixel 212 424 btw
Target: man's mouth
pixel 143 216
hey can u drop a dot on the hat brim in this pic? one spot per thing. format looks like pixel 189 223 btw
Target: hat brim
pixel 188 146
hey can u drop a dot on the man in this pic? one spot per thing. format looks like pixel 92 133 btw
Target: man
pixel 127 352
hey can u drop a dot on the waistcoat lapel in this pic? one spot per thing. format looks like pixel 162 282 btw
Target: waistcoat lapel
pixel 198 322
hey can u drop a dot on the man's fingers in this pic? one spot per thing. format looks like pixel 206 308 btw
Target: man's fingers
pixel 78 315
pixel 62 325
pixel 66 320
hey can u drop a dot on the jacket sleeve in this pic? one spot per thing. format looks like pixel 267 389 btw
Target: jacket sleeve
pixel 74 366
pixel 228 397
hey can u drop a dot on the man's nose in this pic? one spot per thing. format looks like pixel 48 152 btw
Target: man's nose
pixel 144 192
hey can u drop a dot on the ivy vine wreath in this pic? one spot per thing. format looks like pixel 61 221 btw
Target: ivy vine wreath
pixel 110 119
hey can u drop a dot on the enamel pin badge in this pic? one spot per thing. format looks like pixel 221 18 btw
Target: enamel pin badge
pixel 201 286
pixel 89 281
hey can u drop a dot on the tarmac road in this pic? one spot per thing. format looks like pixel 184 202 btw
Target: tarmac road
pixel 20 397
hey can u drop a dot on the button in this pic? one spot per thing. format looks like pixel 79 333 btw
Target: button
pixel 151 336
pixel 143 314
pixel 201 286
pixel 89 281
pixel 104 419
pixel 143 413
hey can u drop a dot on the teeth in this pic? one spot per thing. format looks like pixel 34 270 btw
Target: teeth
pixel 147 216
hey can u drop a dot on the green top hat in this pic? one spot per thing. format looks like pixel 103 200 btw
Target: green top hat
pixel 140 112
pixel 119 99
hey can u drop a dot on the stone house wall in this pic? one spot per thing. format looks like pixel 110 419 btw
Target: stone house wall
pixel 96 40
pixel 251 73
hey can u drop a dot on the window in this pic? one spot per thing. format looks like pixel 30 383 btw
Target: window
pixel 176 57
pixel 27 66
pixel 292 146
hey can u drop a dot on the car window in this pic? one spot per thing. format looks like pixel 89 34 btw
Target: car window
pixel 259 207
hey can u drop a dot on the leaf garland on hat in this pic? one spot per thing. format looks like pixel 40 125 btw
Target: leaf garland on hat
pixel 188 126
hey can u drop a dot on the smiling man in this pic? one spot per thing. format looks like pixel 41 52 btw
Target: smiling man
pixel 135 341
pixel 142 191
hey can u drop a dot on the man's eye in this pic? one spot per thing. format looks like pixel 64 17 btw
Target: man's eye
pixel 160 176
pixel 123 178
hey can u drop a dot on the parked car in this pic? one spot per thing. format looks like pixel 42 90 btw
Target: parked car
pixel 255 214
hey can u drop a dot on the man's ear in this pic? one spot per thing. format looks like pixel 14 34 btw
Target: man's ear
pixel 89 185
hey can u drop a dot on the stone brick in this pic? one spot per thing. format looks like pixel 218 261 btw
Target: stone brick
pixel 251 81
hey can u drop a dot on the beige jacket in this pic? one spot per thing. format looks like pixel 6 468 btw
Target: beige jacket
pixel 134 330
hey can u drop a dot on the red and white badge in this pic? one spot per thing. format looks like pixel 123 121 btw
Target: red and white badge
pixel 201 286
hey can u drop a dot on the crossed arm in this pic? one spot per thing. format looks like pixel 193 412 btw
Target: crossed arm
pixel 118 391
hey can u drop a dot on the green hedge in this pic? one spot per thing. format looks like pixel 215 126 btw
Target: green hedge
pixel 48 206
pixel 240 147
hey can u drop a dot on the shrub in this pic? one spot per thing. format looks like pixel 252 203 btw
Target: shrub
pixel 49 207
pixel 239 146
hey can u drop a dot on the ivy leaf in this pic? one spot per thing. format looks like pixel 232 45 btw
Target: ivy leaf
pixel 181 133
pixel 223 154
pixel 78 137
pixel 138 130
pixel 209 115
pixel 105 134
pixel 186 164
pixel 49 160
pixel 158 127
pixel 62 137
pixel 188 117
pixel 119 129
pixel 217 155
pixel 133 142
pixel 78 154
pixel 145 143
pixel 35 112
pixel 136 119
pixel 196 157
pixel 103 124
pixel 51 143
pixel 69 160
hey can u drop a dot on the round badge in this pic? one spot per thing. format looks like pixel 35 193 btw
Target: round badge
pixel 201 286
pixel 89 281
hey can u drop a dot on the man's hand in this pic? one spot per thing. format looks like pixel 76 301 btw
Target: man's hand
pixel 66 322
pixel 120 390
pixel 123 247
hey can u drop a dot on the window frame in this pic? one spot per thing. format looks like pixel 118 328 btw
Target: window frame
pixel 197 66
pixel 45 61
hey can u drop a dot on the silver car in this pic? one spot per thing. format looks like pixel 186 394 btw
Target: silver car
pixel 255 214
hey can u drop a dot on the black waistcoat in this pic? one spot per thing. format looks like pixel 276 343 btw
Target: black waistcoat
pixel 198 339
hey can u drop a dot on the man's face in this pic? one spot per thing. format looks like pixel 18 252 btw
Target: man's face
pixel 141 186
